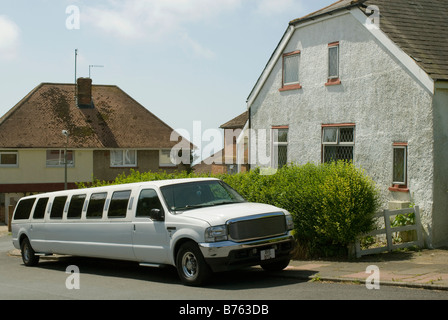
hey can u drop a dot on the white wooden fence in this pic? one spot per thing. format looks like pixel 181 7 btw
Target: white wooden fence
pixel 388 230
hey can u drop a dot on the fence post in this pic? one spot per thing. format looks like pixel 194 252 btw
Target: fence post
pixel 10 212
pixel 388 229
pixel 418 226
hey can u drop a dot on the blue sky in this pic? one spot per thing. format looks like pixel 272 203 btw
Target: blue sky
pixel 184 60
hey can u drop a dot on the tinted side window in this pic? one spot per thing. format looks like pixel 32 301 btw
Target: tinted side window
pixel 39 211
pixel 147 200
pixel 75 207
pixel 57 209
pixel 23 209
pixel 96 205
pixel 119 204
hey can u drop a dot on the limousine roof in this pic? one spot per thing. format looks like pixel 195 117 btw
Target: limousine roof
pixel 157 183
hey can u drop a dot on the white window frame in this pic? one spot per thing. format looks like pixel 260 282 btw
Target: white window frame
pixel 165 154
pixel 333 46
pixel 295 54
pixel 405 164
pixel 124 163
pixel 61 159
pixel 337 142
pixel 9 153
pixel 275 144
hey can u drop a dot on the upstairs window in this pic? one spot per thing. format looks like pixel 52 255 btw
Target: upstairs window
pixel 8 159
pixel 165 159
pixel 290 76
pixel 56 158
pixel 333 64
pixel 337 143
pixel 123 158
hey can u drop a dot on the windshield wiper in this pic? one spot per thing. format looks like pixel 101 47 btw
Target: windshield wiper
pixel 189 207
pixel 226 202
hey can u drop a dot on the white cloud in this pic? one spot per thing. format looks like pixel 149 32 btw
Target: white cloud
pixel 162 20
pixel 157 20
pixel 198 49
pixel 9 38
pixel 271 7
pixel 153 19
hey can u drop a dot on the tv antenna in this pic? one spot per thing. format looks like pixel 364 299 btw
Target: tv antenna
pixel 94 66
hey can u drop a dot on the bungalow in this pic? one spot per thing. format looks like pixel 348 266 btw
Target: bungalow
pixel 234 156
pixel 99 130
pixel 365 81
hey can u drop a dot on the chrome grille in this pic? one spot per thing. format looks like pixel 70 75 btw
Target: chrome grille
pixel 257 227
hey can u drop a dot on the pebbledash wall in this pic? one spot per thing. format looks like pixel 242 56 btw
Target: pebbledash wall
pixel 386 103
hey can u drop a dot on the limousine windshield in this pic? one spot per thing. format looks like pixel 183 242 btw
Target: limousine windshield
pixel 186 196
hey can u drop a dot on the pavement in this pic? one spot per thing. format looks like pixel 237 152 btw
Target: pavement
pixel 424 269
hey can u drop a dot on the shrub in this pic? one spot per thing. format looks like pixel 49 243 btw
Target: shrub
pixel 331 203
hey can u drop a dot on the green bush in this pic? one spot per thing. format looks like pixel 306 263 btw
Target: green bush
pixel 331 203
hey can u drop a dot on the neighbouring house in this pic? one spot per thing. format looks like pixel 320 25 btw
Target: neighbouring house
pixel 365 81
pixel 234 156
pixel 108 133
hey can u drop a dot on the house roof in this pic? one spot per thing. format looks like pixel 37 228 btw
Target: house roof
pixel 237 122
pixel 418 27
pixel 115 121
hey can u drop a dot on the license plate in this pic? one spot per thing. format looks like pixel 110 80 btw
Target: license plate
pixel 267 254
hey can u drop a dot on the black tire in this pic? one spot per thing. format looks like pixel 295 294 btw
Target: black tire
pixel 28 255
pixel 191 266
pixel 276 266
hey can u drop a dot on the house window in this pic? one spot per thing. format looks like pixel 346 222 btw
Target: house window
pixel 279 146
pixel 9 159
pixel 123 158
pixel 290 76
pixel 56 158
pixel 333 64
pixel 399 164
pixel 338 142
pixel 165 159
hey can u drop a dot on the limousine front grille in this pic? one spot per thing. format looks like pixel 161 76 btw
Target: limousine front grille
pixel 257 227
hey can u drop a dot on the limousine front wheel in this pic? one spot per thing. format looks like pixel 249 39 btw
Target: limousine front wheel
pixel 28 255
pixel 191 266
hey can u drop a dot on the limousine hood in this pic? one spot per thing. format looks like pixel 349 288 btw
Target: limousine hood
pixel 219 214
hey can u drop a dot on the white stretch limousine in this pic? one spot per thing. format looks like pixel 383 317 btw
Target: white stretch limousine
pixel 197 225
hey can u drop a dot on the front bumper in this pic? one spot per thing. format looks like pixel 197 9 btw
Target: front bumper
pixel 228 255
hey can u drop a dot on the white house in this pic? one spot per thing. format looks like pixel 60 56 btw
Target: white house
pixel 365 81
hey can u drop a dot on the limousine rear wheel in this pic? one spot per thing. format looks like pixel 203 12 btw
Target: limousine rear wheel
pixel 191 266
pixel 28 255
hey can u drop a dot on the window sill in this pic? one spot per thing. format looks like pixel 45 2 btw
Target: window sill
pixel 333 82
pixel 399 188
pixel 123 167
pixel 290 87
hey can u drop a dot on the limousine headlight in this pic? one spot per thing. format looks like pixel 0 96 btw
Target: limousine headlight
pixel 289 222
pixel 215 234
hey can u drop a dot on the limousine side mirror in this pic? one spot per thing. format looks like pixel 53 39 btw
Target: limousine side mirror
pixel 157 214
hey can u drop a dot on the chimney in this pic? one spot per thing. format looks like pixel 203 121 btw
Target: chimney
pixel 84 93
